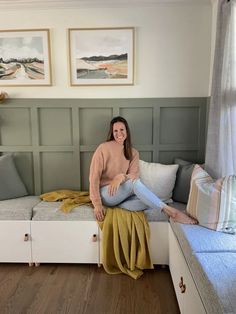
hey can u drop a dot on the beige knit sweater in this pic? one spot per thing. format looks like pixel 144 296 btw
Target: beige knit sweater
pixel 108 161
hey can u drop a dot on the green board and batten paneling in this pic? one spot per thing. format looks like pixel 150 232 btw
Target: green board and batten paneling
pixel 53 139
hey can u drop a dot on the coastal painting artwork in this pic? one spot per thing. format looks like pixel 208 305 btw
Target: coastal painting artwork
pixel 25 57
pixel 101 56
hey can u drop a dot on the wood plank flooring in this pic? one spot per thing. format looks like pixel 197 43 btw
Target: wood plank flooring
pixel 83 289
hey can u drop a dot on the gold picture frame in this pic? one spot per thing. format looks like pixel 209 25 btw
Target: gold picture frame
pixel 25 58
pixel 101 56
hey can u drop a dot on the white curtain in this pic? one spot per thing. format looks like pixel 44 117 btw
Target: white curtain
pixel 221 137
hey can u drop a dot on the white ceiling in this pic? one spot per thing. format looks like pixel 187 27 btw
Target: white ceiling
pixel 45 4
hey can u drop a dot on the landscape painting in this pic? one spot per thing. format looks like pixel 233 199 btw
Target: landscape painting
pixel 25 57
pixel 101 56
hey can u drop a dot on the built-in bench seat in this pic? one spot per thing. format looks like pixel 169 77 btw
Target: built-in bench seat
pixel 211 258
pixel 59 237
pixel 15 229
pixel 43 233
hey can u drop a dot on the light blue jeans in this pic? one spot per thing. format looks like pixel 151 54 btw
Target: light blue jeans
pixel 132 195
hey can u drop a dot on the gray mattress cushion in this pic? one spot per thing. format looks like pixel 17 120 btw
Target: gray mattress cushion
pixel 194 238
pixel 215 278
pixel 51 211
pixel 20 208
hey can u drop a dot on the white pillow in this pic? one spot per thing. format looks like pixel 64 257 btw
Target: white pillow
pixel 159 178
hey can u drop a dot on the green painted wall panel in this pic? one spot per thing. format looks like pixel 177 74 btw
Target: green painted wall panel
pixel 55 126
pixel 179 125
pixel 94 125
pixel 57 171
pixel 54 139
pixel 141 124
pixel 15 126
pixel 85 164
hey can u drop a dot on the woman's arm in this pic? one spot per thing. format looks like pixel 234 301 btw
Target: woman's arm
pixel 96 168
pixel 133 171
pixel 115 183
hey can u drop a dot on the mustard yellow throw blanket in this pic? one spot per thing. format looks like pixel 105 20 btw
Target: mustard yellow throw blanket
pixel 69 198
pixel 125 240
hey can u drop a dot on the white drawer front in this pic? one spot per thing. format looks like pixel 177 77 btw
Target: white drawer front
pixel 15 241
pixel 159 242
pixel 65 242
pixel 185 288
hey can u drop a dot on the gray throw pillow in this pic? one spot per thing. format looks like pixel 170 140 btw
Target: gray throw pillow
pixel 11 185
pixel 183 179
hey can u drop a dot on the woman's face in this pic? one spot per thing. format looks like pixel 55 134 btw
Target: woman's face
pixel 119 132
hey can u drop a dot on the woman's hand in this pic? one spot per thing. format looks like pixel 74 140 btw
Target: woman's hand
pixel 115 184
pixel 99 213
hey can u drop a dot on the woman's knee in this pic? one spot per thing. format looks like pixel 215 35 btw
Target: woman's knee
pixel 125 190
pixel 109 202
pixel 137 183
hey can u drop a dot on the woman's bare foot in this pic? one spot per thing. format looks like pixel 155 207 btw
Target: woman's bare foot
pixel 179 216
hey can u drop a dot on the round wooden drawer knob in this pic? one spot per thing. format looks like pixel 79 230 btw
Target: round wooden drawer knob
pixel 26 237
pixel 94 238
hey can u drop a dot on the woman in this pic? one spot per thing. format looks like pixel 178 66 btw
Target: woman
pixel 114 177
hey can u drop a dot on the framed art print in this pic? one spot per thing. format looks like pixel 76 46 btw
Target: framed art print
pixel 101 56
pixel 25 57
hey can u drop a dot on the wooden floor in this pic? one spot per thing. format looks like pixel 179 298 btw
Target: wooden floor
pixel 85 289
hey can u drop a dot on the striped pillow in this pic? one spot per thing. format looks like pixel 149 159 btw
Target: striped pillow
pixel 213 203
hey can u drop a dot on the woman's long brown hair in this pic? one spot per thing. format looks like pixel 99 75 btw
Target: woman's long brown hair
pixel 127 142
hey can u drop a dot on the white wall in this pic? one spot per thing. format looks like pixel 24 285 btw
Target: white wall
pixel 173 49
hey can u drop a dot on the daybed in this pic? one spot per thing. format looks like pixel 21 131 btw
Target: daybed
pixel 40 232
pixel 202 262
